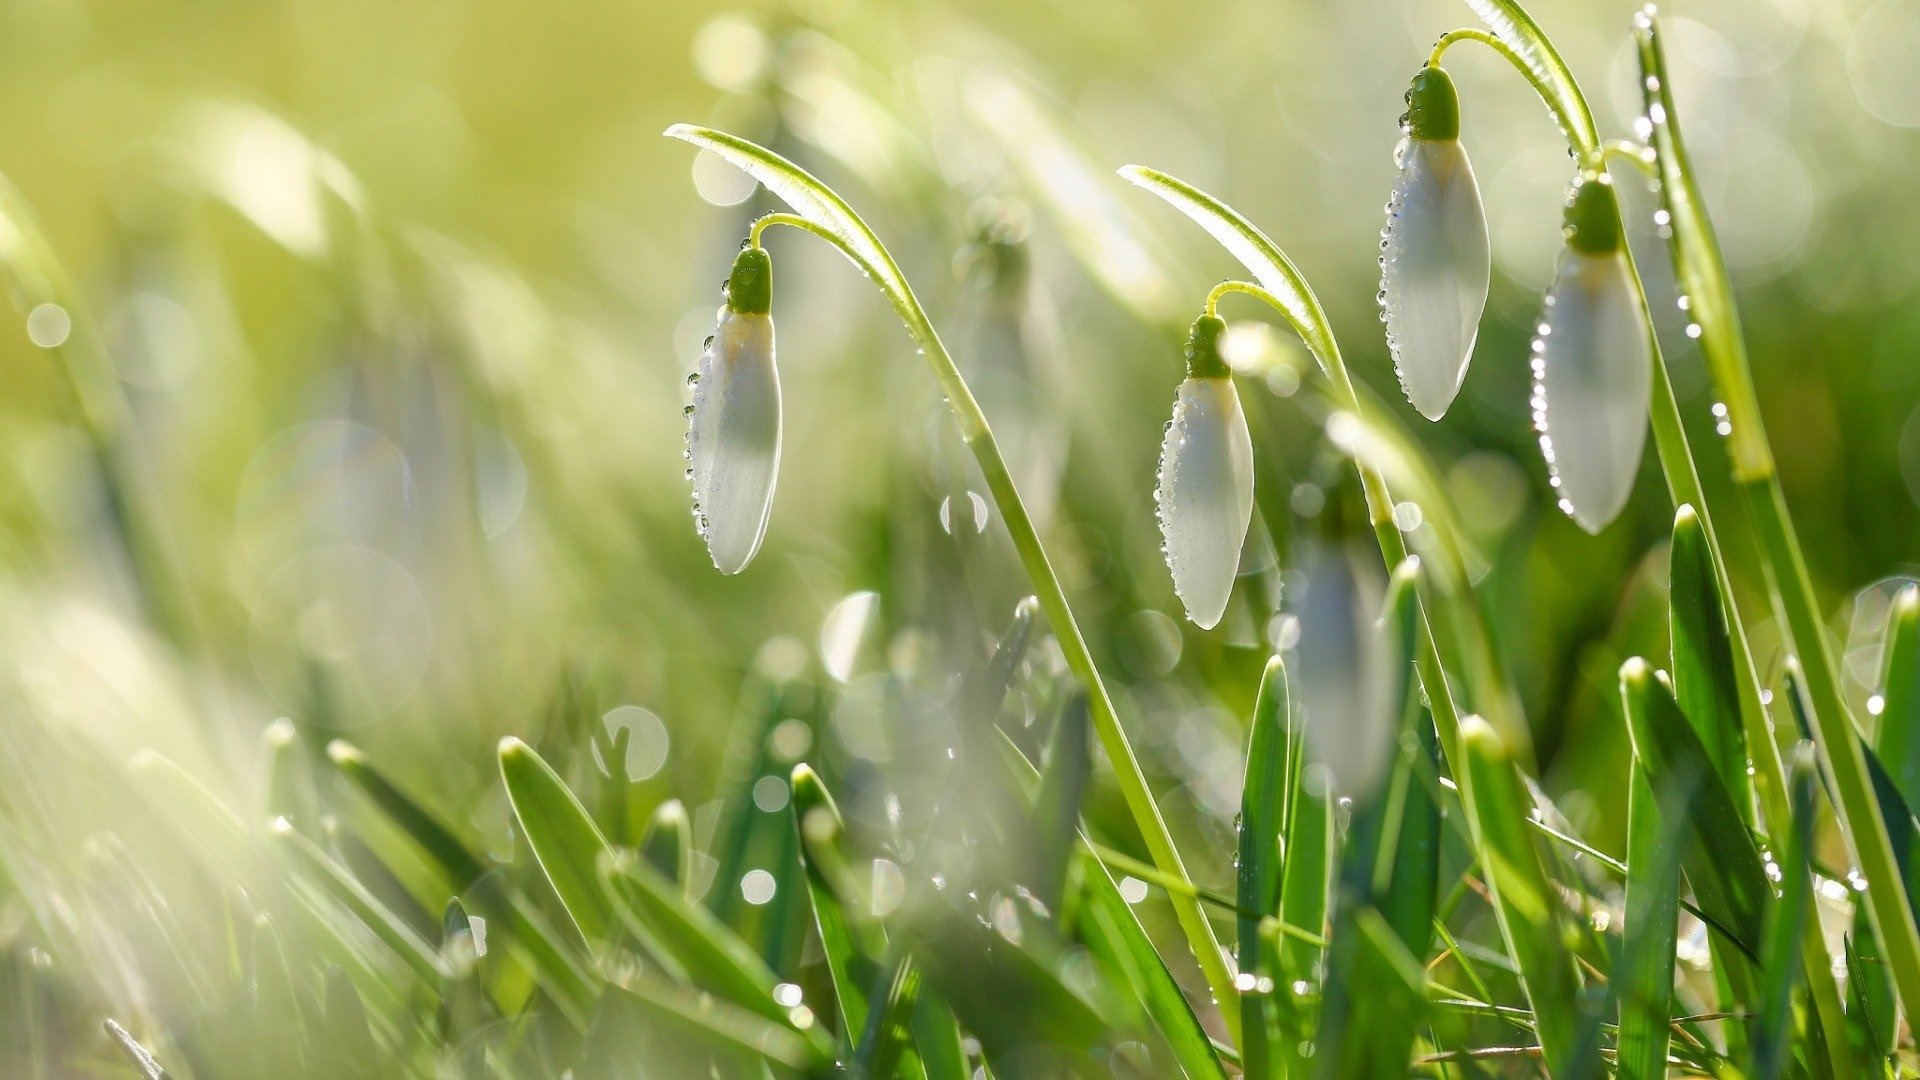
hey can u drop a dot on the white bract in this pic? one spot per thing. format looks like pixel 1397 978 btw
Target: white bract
pixel 1434 254
pixel 1434 265
pixel 1593 379
pixel 1205 494
pixel 733 438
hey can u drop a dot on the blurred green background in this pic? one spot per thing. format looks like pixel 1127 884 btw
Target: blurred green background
pixel 399 299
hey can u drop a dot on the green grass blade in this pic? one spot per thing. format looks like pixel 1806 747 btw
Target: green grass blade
pixel 1898 736
pixel 1722 863
pixel 724 1026
pixel 529 932
pixel 1773 1031
pixel 1056 808
pixel 1378 1040
pixel 1870 1021
pixel 564 840
pixel 335 881
pixel 849 953
pixel 1703 668
pixel 1524 901
pixel 1115 936
pixel 936 1038
pixel 713 957
pixel 1257 878
pixel 887 1029
pixel 1643 983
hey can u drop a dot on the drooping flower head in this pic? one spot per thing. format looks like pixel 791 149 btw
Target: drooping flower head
pixel 1592 365
pixel 1205 492
pixel 733 431
pixel 1434 255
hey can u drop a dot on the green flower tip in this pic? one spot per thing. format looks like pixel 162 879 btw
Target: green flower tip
pixel 1593 218
pixel 1203 349
pixel 750 286
pixel 1433 106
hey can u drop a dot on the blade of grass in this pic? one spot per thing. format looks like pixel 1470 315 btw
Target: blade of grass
pixel 1718 853
pixel 850 952
pixel 1704 680
pixel 335 881
pixel 1773 1031
pixel 564 840
pixel 1380 1037
pixel 1263 797
pixel 1527 908
pixel 725 1026
pixel 1643 983
pixel 714 958
pixel 1056 806
pixel 1898 735
pixel 529 932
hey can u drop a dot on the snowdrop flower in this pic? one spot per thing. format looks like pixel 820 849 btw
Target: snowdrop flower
pixel 1592 367
pixel 1205 493
pixel 733 431
pixel 1434 253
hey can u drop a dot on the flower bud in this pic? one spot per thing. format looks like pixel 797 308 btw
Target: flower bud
pixel 1205 491
pixel 733 432
pixel 1434 254
pixel 1592 367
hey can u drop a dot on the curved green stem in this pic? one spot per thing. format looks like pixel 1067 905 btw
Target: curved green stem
pixel 826 214
pixel 1575 119
pixel 766 221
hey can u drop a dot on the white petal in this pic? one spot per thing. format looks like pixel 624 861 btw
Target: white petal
pixel 1593 379
pixel 733 440
pixel 1434 263
pixel 1205 495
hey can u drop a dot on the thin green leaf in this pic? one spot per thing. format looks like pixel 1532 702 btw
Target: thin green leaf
pixel 1722 863
pixel 1898 736
pixel 1773 1031
pixel 1643 982
pixel 713 957
pixel 564 840
pixel 1263 798
pixel 529 932
pixel 1703 669
pixel 1115 936
pixel 1379 1042
pixel 936 1038
pixel 1528 910
pixel 1697 264
pixel 335 881
pixel 724 1025
pixel 897 989
pixel 1063 779
pixel 850 952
